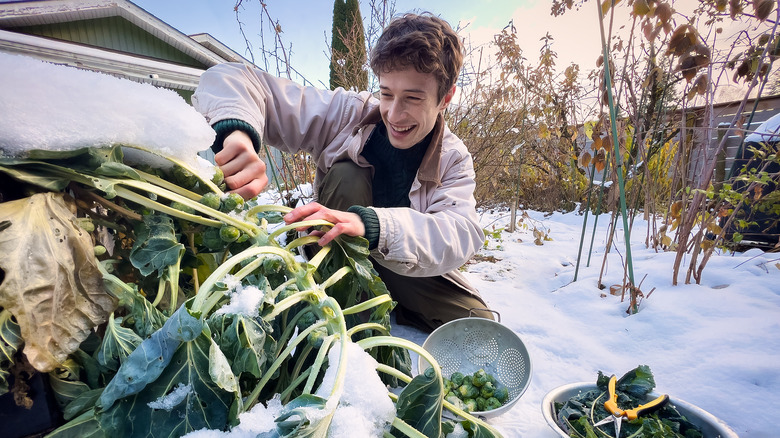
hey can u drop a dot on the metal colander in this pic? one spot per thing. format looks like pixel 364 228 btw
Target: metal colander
pixel 468 344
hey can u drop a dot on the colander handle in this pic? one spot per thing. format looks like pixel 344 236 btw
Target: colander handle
pixel 473 309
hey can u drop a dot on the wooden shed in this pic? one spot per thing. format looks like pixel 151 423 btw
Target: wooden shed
pixel 111 36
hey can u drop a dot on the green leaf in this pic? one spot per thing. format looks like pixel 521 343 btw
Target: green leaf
pixel 296 420
pixel 118 343
pixel 420 403
pixel 85 425
pixel 638 382
pixel 66 384
pixel 147 362
pixel 156 246
pixel 219 369
pixel 244 342
pixel 52 283
pixel 81 404
pixel 10 341
pixel 203 404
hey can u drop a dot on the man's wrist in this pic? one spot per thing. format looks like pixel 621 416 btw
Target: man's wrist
pixel 224 128
pixel 370 223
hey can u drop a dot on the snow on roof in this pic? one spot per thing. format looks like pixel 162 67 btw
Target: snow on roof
pixel 55 107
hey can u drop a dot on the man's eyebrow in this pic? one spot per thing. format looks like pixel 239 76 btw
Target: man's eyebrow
pixel 411 90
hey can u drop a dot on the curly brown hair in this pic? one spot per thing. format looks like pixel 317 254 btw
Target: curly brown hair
pixel 423 41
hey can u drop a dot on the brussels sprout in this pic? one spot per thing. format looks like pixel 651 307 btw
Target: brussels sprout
pixel 231 202
pixel 212 239
pixel 487 390
pixel 470 405
pixel 501 393
pixel 99 250
pixel 211 200
pixel 492 403
pixel 467 390
pixel 457 379
pixel 481 402
pixel 218 177
pixel 316 337
pixel 479 378
pixel 182 207
pixel 185 178
pixel 306 320
pixel 229 233
pixel 85 224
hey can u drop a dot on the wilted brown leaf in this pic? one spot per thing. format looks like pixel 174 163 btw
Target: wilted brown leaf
pixel 763 8
pixel 52 284
pixel 676 209
pixel 663 12
pixel 585 159
pixel 735 8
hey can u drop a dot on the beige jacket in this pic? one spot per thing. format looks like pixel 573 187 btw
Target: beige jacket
pixel 440 231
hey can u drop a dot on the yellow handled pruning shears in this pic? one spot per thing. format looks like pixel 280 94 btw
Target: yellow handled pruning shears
pixel 618 415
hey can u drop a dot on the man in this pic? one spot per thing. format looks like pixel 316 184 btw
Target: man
pixel 388 170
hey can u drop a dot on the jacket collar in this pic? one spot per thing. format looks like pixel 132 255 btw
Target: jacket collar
pixel 431 162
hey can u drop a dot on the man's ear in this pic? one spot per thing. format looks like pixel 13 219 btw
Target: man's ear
pixel 447 98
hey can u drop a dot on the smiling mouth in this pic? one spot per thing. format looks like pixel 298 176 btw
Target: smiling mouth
pixel 402 129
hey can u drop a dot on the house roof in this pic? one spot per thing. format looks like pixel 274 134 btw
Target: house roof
pixel 203 48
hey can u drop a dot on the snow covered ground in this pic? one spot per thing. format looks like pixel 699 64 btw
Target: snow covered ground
pixel 714 345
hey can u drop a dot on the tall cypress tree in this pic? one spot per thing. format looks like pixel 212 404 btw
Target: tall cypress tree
pixel 348 47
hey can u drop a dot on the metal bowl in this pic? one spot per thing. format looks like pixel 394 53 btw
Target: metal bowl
pixel 711 426
pixel 469 344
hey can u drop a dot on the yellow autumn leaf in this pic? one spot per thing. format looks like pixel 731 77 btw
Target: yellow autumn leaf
pixel 714 228
pixel 666 240
pixel 641 8
pixel 707 244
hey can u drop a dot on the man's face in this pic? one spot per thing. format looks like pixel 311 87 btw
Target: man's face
pixel 409 106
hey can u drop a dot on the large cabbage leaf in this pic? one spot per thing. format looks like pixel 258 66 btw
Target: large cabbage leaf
pixel 157 412
pixel 52 284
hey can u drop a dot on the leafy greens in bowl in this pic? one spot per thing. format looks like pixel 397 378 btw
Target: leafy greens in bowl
pixel 572 409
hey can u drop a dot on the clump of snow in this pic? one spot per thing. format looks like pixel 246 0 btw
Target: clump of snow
pixel 365 408
pixel 244 300
pixel 259 419
pixel 169 401
pixel 55 107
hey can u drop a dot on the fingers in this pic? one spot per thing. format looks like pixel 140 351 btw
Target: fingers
pixel 243 169
pixel 304 211
pixel 252 188
pixel 343 222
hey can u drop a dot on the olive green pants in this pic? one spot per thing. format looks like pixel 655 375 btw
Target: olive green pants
pixel 423 302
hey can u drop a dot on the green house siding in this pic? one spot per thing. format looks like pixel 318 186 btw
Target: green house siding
pixel 114 33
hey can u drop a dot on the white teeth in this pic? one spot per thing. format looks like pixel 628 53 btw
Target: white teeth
pixel 402 129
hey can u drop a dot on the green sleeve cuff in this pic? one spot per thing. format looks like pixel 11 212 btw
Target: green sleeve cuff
pixel 223 128
pixel 370 223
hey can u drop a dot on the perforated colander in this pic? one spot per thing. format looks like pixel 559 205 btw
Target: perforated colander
pixel 465 345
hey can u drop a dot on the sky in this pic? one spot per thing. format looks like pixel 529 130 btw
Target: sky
pixel 309 33
pixel 713 345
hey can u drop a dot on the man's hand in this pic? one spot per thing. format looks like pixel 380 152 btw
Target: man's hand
pixel 244 170
pixel 343 222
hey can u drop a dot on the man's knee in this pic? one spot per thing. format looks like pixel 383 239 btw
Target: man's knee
pixel 344 185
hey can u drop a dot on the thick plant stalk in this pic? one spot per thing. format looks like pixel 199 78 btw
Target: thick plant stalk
pixel 616 147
